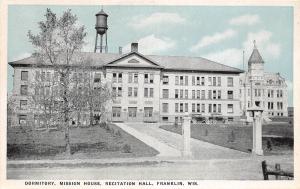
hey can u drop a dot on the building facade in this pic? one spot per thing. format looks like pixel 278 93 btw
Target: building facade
pixel 262 89
pixel 145 88
pixel 158 88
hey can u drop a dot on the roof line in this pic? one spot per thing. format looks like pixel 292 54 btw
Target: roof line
pixel 222 64
pixel 131 53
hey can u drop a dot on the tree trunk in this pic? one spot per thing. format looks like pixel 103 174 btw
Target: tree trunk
pixel 91 112
pixel 78 118
pixel 67 139
pixel 91 117
pixel 67 132
pixel 66 114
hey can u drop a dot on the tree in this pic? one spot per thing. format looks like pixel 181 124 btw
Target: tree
pixel 91 93
pixel 44 98
pixel 56 44
pixel 98 94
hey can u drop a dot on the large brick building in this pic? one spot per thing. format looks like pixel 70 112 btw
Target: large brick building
pixel 148 88
pixel 154 88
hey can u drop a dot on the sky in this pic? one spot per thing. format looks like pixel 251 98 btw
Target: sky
pixel 219 33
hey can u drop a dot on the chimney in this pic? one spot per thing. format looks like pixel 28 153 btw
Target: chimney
pixel 120 50
pixel 134 47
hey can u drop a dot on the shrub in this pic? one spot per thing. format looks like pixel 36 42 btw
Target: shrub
pixel 118 133
pixel 107 128
pixel 112 131
pixel 103 124
pixel 126 148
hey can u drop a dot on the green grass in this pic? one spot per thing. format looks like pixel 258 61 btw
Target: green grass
pixel 284 130
pixel 89 142
pixel 240 138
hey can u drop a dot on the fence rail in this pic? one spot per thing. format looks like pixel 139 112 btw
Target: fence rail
pixel 277 172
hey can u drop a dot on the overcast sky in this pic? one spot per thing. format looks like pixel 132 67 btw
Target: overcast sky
pixel 217 33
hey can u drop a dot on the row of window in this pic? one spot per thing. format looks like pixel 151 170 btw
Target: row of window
pixel 132 112
pixel 275 114
pixel 133 92
pixel 179 93
pixel 45 90
pixel 132 78
pixel 47 76
pixel 148 92
pixel 279 93
pixel 197 94
pixel 271 82
pixel 279 105
pixel 270 105
pixel 179 80
pixel 148 78
pixel 261 92
pixel 200 81
pixel 197 107
pixel 179 119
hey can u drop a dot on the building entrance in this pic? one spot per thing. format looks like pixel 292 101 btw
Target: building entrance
pixel 132 111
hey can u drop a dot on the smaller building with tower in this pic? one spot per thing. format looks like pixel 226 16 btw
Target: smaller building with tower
pixel 262 89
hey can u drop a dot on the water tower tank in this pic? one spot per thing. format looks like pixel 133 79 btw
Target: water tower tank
pixel 101 22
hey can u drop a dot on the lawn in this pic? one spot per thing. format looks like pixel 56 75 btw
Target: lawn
pixel 280 136
pixel 105 141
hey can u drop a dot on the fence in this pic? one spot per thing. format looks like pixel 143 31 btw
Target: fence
pixel 277 172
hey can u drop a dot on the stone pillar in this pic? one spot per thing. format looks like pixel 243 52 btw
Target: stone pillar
pixel 186 134
pixel 257 133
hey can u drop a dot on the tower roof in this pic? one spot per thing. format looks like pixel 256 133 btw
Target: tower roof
pixel 102 13
pixel 255 56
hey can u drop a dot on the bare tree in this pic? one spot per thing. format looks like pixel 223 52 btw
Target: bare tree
pixel 56 44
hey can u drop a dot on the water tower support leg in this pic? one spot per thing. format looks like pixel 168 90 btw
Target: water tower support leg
pixel 101 43
pixel 96 42
pixel 106 48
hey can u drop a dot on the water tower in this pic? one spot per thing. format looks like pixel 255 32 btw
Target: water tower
pixel 101 29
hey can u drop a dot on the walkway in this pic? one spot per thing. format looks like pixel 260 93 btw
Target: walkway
pixel 163 148
pixel 160 139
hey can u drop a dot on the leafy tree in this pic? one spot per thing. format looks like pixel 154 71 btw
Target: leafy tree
pixel 56 44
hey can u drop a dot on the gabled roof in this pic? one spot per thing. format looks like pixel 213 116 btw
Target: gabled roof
pixel 183 63
pixel 179 63
pixel 152 64
pixel 95 59
pixel 255 56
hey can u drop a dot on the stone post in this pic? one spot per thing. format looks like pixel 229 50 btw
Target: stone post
pixel 257 133
pixel 186 134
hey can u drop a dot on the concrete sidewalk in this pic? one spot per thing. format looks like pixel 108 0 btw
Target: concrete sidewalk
pixel 147 168
pixel 88 162
pixel 164 149
pixel 200 149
